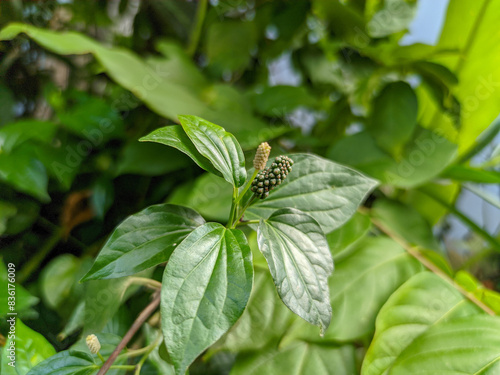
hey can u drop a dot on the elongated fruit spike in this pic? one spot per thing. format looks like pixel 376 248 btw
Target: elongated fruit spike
pixel 271 177
pixel 93 344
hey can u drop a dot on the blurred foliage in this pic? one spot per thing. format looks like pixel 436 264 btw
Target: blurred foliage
pixel 82 81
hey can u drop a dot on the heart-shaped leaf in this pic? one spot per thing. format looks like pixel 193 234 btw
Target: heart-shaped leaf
pixel 144 240
pixel 206 286
pixel 329 192
pixel 174 136
pixel 300 262
pixel 422 302
pixel 218 146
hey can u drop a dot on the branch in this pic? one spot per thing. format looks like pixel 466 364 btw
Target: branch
pixel 414 252
pixel 143 316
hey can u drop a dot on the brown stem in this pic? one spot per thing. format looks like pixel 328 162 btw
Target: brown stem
pixel 143 316
pixel 414 252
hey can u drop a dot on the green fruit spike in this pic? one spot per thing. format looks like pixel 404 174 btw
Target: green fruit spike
pixel 267 179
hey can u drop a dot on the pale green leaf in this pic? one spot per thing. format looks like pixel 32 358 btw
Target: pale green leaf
pixel 422 302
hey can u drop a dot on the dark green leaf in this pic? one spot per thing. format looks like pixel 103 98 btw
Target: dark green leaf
pixel 23 171
pixel 218 146
pixel 150 159
pixel 13 135
pixel 277 101
pixel 394 116
pixel 206 286
pixel 329 192
pixel 300 262
pixel 175 136
pixel 144 240
pixel 264 321
pixel 68 362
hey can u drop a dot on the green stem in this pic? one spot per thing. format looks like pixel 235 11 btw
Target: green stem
pixel 493 241
pixel 122 367
pixel 240 215
pixel 234 206
pixel 153 284
pixel 35 261
pixel 146 355
pixel 247 222
pixel 101 357
pixel 198 26
pixel 484 140
pixel 247 186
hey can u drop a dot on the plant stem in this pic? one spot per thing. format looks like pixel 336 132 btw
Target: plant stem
pixel 145 357
pixel 35 261
pixel 247 222
pixel 247 186
pixel 234 207
pixel 101 357
pixel 240 215
pixel 198 26
pixel 493 241
pixel 150 283
pixel 414 252
pixel 143 316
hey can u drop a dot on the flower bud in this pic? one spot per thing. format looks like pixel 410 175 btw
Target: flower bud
pixel 261 156
pixel 93 344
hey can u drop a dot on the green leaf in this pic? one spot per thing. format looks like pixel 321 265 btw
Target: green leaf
pixel 467 281
pixel 394 116
pixel 150 159
pixel 342 239
pixel 31 348
pixel 166 85
pixel 300 262
pixel 144 240
pixel 264 321
pixel 57 279
pixel 390 17
pixel 329 192
pixel 68 362
pixel 22 170
pixel 406 222
pixel 218 146
pixel 299 359
pixel 361 284
pixel 470 346
pixel 208 194
pixel 476 39
pixel 13 135
pixel 206 286
pixel 175 136
pixel 424 157
pixel 422 302
pixel 277 101
pixel 24 300
pixel 7 211
pixel 465 173
pixel 229 43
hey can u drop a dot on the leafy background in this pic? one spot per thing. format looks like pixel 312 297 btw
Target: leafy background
pixel 82 81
